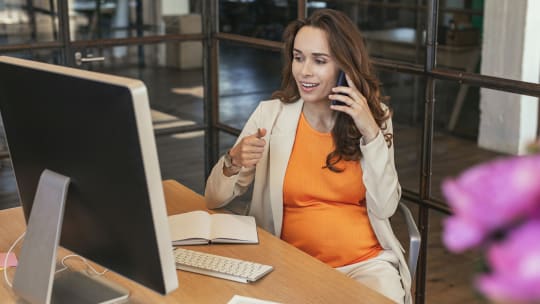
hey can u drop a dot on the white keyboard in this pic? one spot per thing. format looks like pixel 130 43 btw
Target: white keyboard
pixel 219 266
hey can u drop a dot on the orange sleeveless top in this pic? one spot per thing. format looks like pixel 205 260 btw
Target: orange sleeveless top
pixel 324 212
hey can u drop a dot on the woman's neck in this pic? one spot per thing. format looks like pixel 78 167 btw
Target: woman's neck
pixel 319 116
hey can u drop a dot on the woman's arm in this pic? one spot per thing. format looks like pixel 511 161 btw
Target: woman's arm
pixel 379 175
pixel 221 189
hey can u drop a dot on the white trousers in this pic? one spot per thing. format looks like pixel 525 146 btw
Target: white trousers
pixel 379 273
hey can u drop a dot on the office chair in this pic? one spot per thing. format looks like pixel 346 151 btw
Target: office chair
pixel 414 238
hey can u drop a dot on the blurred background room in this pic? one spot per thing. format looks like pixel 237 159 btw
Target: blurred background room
pixel 462 77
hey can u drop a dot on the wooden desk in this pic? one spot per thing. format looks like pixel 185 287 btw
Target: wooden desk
pixel 296 278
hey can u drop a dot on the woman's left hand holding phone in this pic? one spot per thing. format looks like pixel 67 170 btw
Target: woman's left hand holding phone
pixel 247 152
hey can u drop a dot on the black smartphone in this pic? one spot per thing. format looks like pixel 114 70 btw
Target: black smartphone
pixel 341 82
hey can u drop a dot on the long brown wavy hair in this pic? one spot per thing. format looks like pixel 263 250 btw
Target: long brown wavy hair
pixel 348 50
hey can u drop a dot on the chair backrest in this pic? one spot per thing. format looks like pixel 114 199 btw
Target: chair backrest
pixel 414 238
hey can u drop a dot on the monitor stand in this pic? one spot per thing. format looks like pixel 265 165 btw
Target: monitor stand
pixel 35 279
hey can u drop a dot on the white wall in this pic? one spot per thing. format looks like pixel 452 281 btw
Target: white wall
pixel 511 49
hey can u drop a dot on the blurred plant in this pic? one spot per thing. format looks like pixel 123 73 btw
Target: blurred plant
pixel 497 210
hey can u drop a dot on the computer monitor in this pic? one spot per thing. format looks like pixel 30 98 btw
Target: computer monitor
pixel 89 134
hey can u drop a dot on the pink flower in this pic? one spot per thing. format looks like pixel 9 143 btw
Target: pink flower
pixel 489 197
pixel 460 234
pixel 515 266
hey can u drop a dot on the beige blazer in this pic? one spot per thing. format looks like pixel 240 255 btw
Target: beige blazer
pixel 281 120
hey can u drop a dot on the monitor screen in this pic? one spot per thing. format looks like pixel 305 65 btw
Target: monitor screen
pixel 95 129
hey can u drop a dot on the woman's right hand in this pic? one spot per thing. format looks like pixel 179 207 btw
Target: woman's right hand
pixel 248 152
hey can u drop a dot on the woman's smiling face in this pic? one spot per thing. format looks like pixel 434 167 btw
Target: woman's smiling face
pixel 313 68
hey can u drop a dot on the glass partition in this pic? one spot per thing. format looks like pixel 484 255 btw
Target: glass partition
pixel 392 29
pixel 172 74
pixel 406 102
pixel 23 22
pixel 475 125
pixel 110 19
pixel 256 18
pixel 246 76
pixel 180 158
pixel 474 35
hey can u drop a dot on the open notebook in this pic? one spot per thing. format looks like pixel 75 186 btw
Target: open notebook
pixel 201 227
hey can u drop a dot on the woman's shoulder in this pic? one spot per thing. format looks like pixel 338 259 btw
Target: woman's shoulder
pixel 269 106
pixel 271 103
pixel 277 104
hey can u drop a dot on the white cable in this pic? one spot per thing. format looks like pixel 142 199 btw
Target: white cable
pixel 93 270
pixel 88 266
pixel 7 256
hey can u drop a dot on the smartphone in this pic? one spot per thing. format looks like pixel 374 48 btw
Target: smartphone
pixel 341 82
